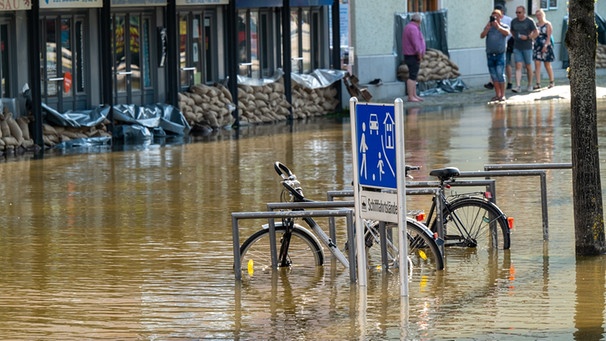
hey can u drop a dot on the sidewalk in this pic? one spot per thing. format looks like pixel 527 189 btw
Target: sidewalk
pixel 560 92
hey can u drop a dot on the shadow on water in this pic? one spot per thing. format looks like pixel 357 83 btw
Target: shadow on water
pixel 136 243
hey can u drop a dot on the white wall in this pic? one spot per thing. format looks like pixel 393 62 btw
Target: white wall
pixel 372 37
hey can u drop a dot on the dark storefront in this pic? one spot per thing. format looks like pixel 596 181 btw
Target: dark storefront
pixel 140 52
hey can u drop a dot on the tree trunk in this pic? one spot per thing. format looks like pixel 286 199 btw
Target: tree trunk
pixel 581 41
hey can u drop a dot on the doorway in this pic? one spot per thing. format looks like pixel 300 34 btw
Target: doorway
pixel 198 61
pixel 132 58
pixel 63 71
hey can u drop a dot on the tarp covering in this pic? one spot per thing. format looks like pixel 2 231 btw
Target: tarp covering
pixel 132 121
pixel 441 87
pixel 76 119
pixel 601 24
pixel 319 78
pixel 433 27
pixel 162 117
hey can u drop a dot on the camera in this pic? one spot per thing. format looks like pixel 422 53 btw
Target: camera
pixel 492 18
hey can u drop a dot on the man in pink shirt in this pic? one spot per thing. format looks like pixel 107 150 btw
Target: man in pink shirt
pixel 413 48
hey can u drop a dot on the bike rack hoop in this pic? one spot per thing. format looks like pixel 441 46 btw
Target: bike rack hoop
pixel 271 216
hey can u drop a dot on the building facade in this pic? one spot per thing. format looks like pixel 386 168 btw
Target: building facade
pixel 79 54
pixel 372 36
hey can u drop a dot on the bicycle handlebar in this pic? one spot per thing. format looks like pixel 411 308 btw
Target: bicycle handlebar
pixel 289 181
pixel 282 170
pixel 408 168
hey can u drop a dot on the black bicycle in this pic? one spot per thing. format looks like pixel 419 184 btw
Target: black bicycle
pixel 470 220
pixel 299 248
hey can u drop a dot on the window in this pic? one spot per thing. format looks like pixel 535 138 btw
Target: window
pixel 422 5
pixel 549 4
pixel 197 50
pixel 259 41
pixel 248 41
pixel 132 58
pixel 306 29
pixel 5 75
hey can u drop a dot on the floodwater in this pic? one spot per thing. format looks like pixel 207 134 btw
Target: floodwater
pixel 137 244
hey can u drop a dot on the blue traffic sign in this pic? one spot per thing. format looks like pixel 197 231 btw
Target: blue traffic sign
pixel 376 136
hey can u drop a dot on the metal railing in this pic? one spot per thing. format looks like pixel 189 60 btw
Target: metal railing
pixel 524 169
pixel 342 208
pixel 271 216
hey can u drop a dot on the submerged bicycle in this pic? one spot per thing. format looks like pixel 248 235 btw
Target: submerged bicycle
pixel 470 220
pixel 299 248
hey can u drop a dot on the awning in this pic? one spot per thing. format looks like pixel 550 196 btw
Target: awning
pixel 307 3
pixel 278 3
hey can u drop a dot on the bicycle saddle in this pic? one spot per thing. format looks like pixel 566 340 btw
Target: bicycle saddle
pixel 445 173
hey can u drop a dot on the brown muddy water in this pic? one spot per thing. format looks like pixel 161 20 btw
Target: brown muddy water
pixel 137 244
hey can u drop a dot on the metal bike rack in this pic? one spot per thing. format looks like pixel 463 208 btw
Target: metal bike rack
pixel 414 188
pixel 527 169
pixel 271 216
pixel 332 234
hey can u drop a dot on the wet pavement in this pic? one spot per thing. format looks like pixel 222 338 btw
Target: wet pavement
pixel 479 94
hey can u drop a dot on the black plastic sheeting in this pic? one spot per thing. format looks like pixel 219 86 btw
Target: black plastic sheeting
pixel 132 122
pixel 76 119
pixel 157 117
pixel 435 31
pixel 601 24
pixel 441 87
pixel 433 26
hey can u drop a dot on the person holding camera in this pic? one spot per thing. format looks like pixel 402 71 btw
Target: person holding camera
pixel 524 30
pixel 509 52
pixel 496 34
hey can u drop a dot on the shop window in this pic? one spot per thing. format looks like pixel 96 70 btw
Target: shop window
pixel 422 5
pixel 258 43
pixel 197 48
pixel 5 76
pixel 307 49
pixel 63 70
pixel 248 44
pixel 132 58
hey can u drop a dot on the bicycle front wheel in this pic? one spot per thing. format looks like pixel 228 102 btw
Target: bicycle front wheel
pixel 304 252
pixel 476 223
pixel 423 252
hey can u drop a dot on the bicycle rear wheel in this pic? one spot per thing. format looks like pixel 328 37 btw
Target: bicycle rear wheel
pixel 304 251
pixel 423 252
pixel 476 223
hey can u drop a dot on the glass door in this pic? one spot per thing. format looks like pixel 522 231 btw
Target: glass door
pixel 63 69
pixel 131 52
pixel 197 48
pixel 5 76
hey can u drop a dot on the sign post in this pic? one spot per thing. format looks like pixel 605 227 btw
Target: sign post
pixel 378 158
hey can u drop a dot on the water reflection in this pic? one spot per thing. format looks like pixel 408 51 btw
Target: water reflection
pixel 136 244
pixel 589 306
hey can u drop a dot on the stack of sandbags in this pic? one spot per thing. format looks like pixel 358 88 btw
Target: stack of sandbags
pixel 600 61
pixel 434 66
pixel 206 106
pixel 267 103
pixel 14 133
pixel 53 135
pixel 262 104
pixel 313 102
